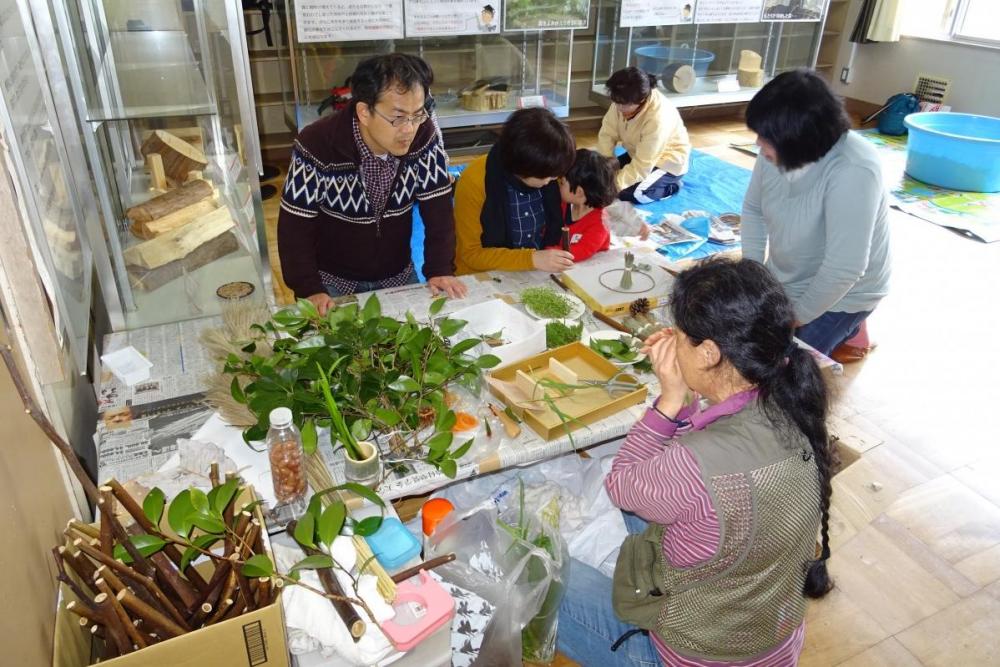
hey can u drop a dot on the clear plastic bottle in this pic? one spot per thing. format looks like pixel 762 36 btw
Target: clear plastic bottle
pixel 284 449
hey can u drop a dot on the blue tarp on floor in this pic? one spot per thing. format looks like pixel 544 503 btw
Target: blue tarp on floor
pixel 711 185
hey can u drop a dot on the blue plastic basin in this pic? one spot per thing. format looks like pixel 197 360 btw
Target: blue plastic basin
pixel 958 151
pixel 653 59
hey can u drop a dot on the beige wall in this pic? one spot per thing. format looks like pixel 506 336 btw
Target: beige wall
pixel 881 70
pixel 34 507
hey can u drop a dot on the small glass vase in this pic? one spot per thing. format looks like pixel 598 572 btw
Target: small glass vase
pixel 366 471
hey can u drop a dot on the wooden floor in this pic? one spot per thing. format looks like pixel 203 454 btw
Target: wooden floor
pixel 916 521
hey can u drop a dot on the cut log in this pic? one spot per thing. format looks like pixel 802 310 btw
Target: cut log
pixel 154 165
pixel 178 243
pixel 148 280
pixel 179 157
pixel 749 60
pixel 750 78
pixel 154 228
pixel 168 202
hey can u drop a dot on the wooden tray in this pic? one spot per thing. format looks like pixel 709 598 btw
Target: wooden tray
pixel 584 406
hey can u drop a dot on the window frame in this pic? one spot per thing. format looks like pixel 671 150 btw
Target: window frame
pixel 951 31
pixel 958 24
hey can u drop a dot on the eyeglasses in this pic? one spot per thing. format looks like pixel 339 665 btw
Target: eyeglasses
pixel 415 120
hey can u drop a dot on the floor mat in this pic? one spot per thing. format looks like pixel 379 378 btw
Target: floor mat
pixel 711 185
pixel 975 215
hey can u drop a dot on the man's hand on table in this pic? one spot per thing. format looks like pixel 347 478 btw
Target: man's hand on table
pixel 449 285
pixel 322 301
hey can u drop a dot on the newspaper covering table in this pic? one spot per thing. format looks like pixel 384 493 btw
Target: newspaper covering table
pixel 149 433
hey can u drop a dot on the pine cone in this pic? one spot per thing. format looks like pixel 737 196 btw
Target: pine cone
pixel 638 307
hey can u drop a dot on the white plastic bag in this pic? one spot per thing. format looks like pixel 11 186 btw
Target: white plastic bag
pixel 520 577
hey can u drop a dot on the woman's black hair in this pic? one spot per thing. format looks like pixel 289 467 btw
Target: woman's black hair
pixel 798 113
pixel 373 76
pixel 596 175
pixel 740 306
pixel 630 86
pixel 489 8
pixel 535 144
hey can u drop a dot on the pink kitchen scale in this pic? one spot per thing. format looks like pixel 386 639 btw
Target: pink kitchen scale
pixel 422 606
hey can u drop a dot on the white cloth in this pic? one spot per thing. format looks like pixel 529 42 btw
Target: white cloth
pixel 313 624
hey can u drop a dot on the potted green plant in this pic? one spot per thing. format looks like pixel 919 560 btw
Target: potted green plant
pixel 362 462
pixel 388 379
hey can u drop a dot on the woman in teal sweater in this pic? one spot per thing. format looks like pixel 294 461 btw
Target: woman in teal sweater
pixel 816 211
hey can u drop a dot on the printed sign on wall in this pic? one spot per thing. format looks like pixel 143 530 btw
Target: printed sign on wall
pixel 534 15
pixel 728 11
pixel 339 21
pixel 431 18
pixel 641 13
pixel 792 10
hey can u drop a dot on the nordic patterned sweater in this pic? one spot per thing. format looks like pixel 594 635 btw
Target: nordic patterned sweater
pixel 327 225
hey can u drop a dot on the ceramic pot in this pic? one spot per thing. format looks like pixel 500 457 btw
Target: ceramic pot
pixel 367 470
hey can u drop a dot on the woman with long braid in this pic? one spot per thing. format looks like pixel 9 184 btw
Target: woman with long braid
pixel 734 493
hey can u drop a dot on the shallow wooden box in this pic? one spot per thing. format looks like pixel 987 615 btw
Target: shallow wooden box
pixel 586 407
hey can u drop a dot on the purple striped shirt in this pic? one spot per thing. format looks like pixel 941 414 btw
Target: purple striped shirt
pixel 655 476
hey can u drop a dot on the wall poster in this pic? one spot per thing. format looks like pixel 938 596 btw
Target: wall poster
pixel 792 10
pixel 350 21
pixel 728 11
pixel 642 13
pixel 434 18
pixel 545 15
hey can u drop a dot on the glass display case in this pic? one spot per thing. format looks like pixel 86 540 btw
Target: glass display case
pixel 712 50
pixel 170 136
pixel 530 67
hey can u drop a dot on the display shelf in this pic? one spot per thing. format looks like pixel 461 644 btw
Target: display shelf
pixel 149 74
pixel 781 45
pixel 139 68
pixel 530 63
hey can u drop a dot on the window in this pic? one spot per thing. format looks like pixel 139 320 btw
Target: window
pixel 960 20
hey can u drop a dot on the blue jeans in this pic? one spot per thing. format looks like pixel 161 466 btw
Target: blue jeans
pixel 369 285
pixel 830 329
pixel 666 186
pixel 588 625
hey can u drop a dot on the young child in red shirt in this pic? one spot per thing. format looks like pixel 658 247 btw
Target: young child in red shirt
pixel 586 189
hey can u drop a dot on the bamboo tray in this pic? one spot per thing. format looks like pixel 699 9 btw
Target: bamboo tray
pixel 583 406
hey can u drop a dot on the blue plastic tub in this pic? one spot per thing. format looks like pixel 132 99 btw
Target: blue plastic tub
pixel 653 59
pixel 958 151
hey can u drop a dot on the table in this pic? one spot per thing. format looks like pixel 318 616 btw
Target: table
pixel 140 424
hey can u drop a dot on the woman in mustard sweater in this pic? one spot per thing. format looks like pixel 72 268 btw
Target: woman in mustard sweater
pixel 507 202
pixel 648 126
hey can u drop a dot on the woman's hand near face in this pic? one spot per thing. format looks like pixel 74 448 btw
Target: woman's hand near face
pixel 673 389
pixel 652 338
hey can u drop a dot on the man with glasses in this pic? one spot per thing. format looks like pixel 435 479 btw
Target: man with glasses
pixel 347 205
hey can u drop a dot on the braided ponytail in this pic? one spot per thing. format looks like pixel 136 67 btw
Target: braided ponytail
pixel 798 391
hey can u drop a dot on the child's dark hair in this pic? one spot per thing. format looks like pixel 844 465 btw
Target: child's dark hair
pixel 596 175
pixel 740 306
pixel 374 76
pixel 535 144
pixel 798 113
pixel 630 86
pixel 489 10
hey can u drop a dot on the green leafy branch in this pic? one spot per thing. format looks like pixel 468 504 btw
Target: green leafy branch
pixel 199 521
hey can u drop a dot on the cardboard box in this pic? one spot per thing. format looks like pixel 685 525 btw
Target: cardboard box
pixel 255 639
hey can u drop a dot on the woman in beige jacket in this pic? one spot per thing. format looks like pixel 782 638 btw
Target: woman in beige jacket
pixel 650 129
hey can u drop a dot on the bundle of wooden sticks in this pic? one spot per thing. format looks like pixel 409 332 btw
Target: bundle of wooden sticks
pixel 151 599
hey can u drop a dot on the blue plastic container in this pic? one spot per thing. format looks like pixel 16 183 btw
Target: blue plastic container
pixel 653 59
pixel 393 545
pixel 958 151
